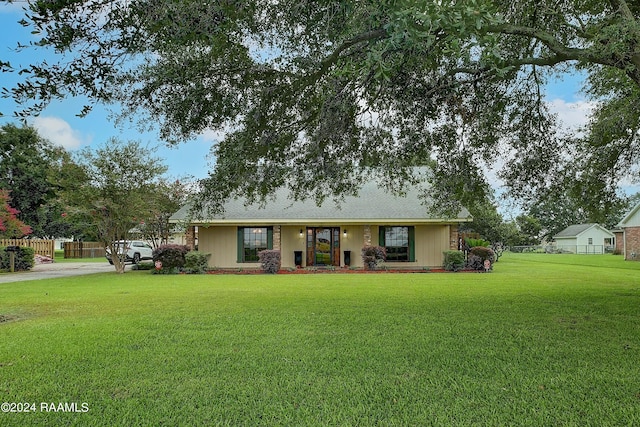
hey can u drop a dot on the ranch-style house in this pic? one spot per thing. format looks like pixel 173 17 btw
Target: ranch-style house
pixel 327 235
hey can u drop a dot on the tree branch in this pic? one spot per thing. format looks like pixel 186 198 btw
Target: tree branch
pixel 546 38
pixel 335 55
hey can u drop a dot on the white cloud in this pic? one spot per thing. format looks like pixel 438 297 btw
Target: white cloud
pixel 210 135
pixel 59 132
pixel 573 115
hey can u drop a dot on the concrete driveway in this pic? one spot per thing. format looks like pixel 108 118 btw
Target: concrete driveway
pixel 65 269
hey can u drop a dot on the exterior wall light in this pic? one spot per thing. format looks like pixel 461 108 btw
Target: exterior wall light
pixel 344 233
pixel 301 233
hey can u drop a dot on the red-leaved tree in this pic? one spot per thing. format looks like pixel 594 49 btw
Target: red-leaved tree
pixel 10 226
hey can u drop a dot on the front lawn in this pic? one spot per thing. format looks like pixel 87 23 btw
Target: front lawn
pixel 536 342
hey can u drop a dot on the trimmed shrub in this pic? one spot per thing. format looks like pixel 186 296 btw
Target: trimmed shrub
pixel 24 259
pixel 196 262
pixel 171 256
pixel 453 260
pixel 484 253
pixel 373 257
pixel 270 261
pixel 478 255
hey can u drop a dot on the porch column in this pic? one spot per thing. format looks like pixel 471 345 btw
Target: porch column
pixel 276 237
pixel 367 235
pixel 190 237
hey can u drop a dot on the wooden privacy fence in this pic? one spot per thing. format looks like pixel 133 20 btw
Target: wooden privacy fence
pixel 41 247
pixel 83 250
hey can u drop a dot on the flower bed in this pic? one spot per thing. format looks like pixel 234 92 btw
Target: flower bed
pixel 321 270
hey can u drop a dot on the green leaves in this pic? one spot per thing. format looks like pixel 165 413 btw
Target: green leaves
pixel 313 91
pixel 118 191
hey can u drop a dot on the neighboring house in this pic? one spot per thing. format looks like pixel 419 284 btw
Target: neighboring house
pixel 630 226
pixel 585 239
pixel 311 235
pixel 60 241
pixel 179 236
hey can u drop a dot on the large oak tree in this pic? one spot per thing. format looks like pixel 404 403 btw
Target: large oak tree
pixel 316 94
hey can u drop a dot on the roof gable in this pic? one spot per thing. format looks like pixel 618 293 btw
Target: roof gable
pixel 631 218
pixel 578 229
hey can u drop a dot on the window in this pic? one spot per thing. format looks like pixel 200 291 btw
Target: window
pixel 252 240
pixel 142 245
pixel 591 240
pixel 399 243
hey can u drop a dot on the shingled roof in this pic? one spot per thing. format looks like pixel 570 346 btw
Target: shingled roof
pixel 575 230
pixel 373 204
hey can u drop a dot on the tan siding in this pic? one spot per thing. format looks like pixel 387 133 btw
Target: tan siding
pixel 291 241
pixel 222 244
pixel 431 243
pixel 206 244
pixel 375 235
pixel 354 242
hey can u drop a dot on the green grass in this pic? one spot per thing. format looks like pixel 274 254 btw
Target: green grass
pixel 543 340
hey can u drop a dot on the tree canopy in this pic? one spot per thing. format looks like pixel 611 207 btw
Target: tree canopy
pixel 117 191
pixel 10 226
pixel 313 93
pixel 34 172
pixel 168 196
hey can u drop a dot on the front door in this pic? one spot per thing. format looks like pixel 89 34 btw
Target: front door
pixel 323 246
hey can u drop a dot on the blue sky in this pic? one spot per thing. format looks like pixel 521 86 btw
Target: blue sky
pixel 59 123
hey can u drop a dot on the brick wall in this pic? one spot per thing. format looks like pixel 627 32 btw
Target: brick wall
pixel 619 235
pixel 454 235
pixel 367 235
pixel 190 237
pixel 276 237
pixel 632 243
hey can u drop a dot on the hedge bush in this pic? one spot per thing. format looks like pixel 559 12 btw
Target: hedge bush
pixel 24 259
pixel 270 261
pixel 373 256
pixel 453 260
pixel 484 253
pixel 196 262
pixel 171 256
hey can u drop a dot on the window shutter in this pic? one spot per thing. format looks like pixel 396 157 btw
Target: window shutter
pixel 270 238
pixel 381 240
pixel 412 244
pixel 240 243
